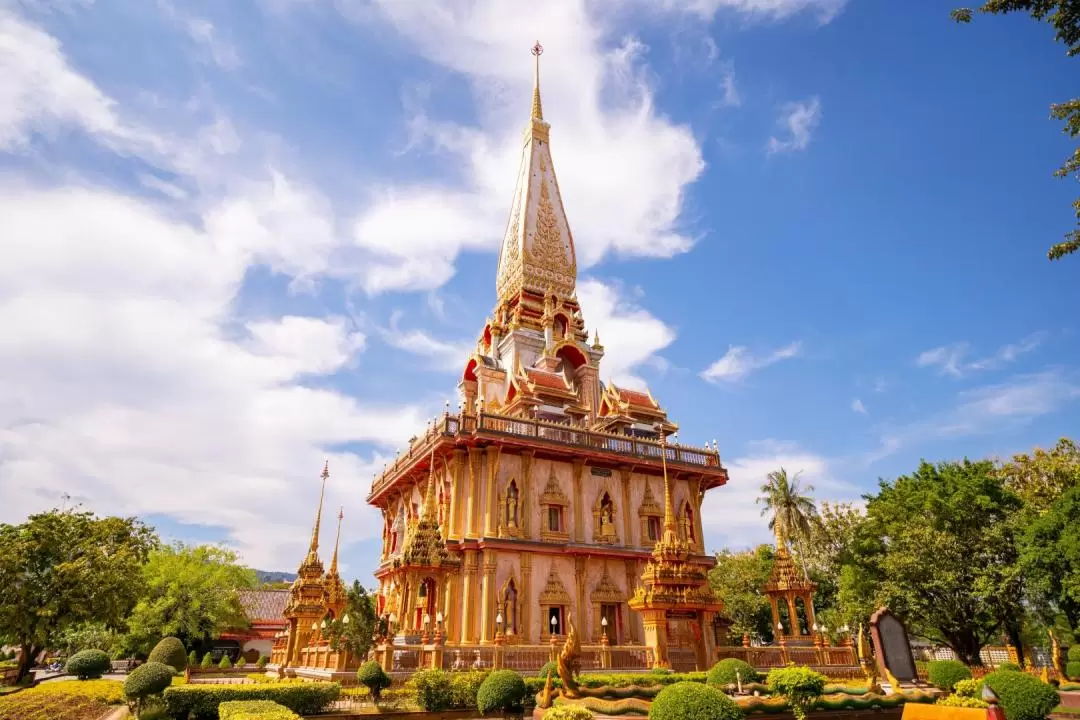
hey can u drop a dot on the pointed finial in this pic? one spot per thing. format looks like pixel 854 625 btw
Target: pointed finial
pixel 429 496
pixel 314 548
pixel 669 501
pixel 337 542
pixel 537 110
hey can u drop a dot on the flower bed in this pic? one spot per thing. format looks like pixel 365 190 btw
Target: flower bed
pixel 63 700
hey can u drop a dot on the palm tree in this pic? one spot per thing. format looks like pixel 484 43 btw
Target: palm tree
pixel 792 509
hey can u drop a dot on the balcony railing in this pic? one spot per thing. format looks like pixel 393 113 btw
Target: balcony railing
pixel 544 431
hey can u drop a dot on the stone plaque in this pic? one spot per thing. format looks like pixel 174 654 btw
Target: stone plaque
pixel 891 646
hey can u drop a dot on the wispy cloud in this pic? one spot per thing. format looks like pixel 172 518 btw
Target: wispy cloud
pixel 799 120
pixel 952 359
pixel 445 355
pixel 738 362
pixel 729 90
pixel 857 406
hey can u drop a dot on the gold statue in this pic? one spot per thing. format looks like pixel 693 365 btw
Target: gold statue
pixel 545 696
pixel 869 667
pixel 1055 654
pixel 511 509
pixel 568 662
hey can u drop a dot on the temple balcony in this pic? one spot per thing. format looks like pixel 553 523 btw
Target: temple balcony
pixel 605 448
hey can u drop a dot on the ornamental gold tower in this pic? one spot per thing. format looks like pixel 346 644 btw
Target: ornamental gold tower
pixel 540 498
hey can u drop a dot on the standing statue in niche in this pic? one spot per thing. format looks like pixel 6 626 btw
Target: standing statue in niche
pixel 607 521
pixel 512 506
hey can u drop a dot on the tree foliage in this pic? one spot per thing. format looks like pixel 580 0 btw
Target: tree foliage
pixel 737 579
pixel 62 568
pixel 945 573
pixel 358 634
pixel 1064 16
pixel 788 505
pixel 191 593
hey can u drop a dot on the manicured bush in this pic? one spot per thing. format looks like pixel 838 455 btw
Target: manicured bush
pixel 433 689
pixel 88 664
pixel 1022 696
pixel 202 701
pixel 693 701
pixel 944 674
pixel 207 661
pixel 801 686
pixel 464 686
pixel 569 712
pixel 192 659
pixel 225 663
pixel 106 692
pixel 255 710
pixel 372 676
pixel 551 666
pixel 961 701
pixel 501 690
pixel 147 681
pixel 1073 654
pixel 730 671
pixel 261 662
pixel 169 651
pixel 1072 669
pixel 968 688
pixel 1009 667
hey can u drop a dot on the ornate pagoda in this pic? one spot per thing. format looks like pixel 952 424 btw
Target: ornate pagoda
pixel 542 485
pixel 787 588
pixel 675 590
pixel 314 599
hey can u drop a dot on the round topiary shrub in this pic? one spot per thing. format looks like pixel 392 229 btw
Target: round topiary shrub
pixel 192 659
pixel 550 666
pixel 374 678
pixel 147 681
pixel 800 686
pixel 261 662
pixel 730 672
pixel 968 688
pixel 207 661
pixel 225 664
pixel 1022 696
pixel 1072 669
pixel 569 712
pixel 88 664
pixel 433 690
pixel 1074 653
pixel 1009 667
pixel 944 674
pixel 693 701
pixel 169 651
pixel 501 690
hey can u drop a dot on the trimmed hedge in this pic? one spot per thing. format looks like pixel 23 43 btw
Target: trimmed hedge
pixel 1072 669
pixel 1074 653
pixel 801 686
pixel 693 701
pixel 961 701
pixel 149 679
pixel 1022 696
pixel 968 688
pixel 434 689
pixel 569 712
pixel 730 671
pixel 169 651
pixel 501 690
pixel 202 701
pixel 944 674
pixel 88 664
pixel 374 678
pixel 255 710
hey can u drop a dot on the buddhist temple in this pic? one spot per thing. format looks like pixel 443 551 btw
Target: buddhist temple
pixel 536 501
pixel 789 591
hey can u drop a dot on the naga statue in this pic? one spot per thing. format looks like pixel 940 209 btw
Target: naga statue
pixel 869 667
pixel 569 663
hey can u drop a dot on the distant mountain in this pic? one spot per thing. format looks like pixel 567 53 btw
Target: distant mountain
pixel 265 576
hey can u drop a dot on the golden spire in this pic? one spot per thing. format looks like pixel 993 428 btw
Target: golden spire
pixel 429 496
pixel 669 501
pixel 537 109
pixel 318 513
pixel 337 541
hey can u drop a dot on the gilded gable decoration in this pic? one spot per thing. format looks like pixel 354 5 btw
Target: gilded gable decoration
pixel 606 591
pixel 554 592
pixel 553 494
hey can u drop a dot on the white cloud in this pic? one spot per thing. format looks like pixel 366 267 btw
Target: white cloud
pixel 799 120
pixel 631 336
pixel 951 359
pixel 826 10
pixel 623 169
pixel 738 362
pixel 857 406
pixel 730 96
pixel 448 356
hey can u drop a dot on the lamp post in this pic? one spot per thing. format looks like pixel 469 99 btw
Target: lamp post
pixel 817 635
pixel 499 635
pixel 848 641
pixel 603 630
pixel 438 627
pixel 424 637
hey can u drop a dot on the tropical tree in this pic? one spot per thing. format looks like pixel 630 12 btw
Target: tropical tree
pixel 789 505
pixel 1064 16
pixel 191 593
pixel 60 569
pixel 738 578
pixel 355 629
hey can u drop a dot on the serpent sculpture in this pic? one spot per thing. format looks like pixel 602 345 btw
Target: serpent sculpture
pixel 568 663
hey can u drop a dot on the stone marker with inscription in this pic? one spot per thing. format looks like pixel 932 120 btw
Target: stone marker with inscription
pixel 891 646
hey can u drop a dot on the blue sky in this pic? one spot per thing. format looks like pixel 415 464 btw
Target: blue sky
pixel 248 236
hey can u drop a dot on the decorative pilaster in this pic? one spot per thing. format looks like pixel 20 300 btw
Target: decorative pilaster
pixel 457 469
pixel 468 598
pixel 526 593
pixel 628 533
pixel 472 502
pixel 525 497
pixel 582 614
pixel 631 582
pixel 487 599
pixel 490 494
pixel 579 501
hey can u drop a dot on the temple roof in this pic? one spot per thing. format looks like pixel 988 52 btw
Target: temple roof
pixel 264 606
pixel 537 251
pixel 785 575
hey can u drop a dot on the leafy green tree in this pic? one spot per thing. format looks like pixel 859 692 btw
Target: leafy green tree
pixel 60 569
pixel 86 636
pixel 790 508
pixel 1050 557
pixel 1041 477
pixel 1064 16
pixel 191 593
pixel 737 579
pixel 943 572
pixel 357 635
